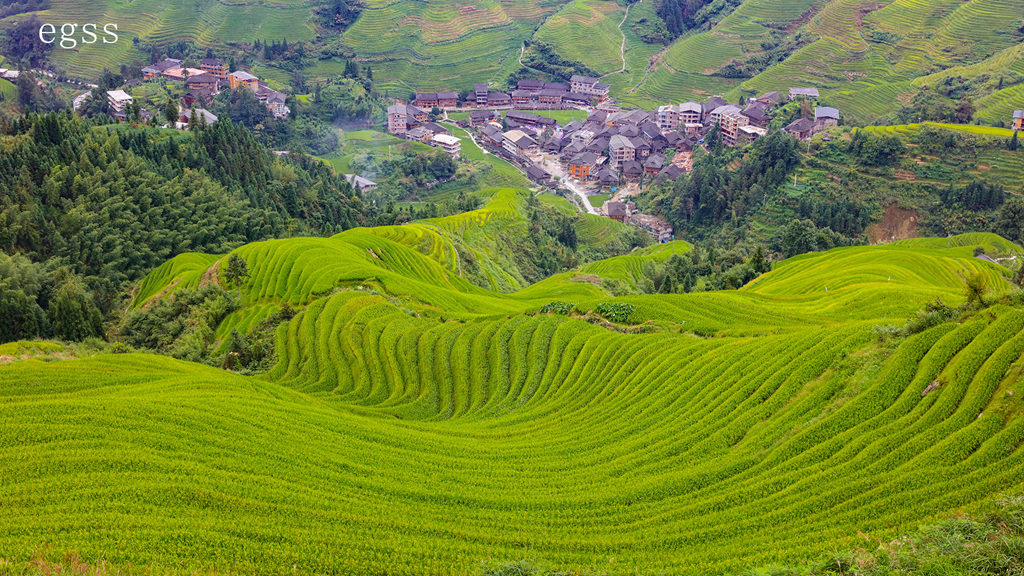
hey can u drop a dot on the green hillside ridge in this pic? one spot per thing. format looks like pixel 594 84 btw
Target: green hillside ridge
pixel 869 59
pixel 724 429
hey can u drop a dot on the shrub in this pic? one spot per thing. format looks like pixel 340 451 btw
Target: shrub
pixel 556 307
pixel 121 348
pixel 616 311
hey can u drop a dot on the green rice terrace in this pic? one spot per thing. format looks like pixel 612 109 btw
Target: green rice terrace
pixel 867 58
pixel 416 423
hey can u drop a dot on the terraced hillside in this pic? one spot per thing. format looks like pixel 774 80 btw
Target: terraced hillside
pixel 866 57
pixel 444 45
pixel 418 424
pixel 207 23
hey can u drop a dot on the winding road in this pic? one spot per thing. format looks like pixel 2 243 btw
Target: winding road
pixel 580 193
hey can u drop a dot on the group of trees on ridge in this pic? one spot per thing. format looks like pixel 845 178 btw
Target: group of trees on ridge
pixel 91 209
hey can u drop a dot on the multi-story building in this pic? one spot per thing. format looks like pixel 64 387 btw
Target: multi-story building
pixel 582 137
pixel 119 101
pixel 243 78
pixel 550 96
pixel 668 117
pixel 583 166
pixel 716 115
pixel 588 85
pixel 1018 120
pixel 498 99
pixel 214 67
pixel 397 119
pixel 825 116
pixel 448 143
pixel 204 82
pixel 691 113
pixel 518 144
pixel 730 124
pixel 622 151
pixel 425 100
pixel 275 103
pixel 447 99
pixel 748 134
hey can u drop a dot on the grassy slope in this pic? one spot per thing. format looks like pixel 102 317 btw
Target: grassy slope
pixel 204 22
pixel 8 90
pixel 439 44
pixel 864 56
pixel 353 142
pixel 996 165
pixel 862 61
pixel 419 424
pixel 586 31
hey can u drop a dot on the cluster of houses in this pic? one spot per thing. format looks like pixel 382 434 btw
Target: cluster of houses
pixel 119 102
pixel 413 123
pixel 609 147
pixel 202 83
pixel 529 94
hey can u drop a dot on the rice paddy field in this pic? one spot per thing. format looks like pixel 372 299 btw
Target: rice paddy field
pixel 864 57
pixel 443 45
pixel 586 31
pixel 204 22
pixel 416 423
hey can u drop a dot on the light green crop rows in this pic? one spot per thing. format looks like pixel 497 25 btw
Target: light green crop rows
pixel 418 424
pixel 586 31
pixel 204 22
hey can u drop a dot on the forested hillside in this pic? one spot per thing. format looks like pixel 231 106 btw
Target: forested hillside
pixel 95 208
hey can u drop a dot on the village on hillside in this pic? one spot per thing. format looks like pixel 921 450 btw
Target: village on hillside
pixel 612 151
pixel 201 85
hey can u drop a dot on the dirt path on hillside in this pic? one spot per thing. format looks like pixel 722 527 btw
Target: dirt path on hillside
pixel 656 58
pixel 622 46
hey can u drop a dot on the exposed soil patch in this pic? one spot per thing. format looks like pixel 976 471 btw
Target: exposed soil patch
pixel 212 274
pixel 804 18
pixel 897 224
pixel 866 9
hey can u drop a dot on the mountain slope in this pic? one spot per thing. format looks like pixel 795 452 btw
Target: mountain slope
pixel 863 56
pixel 417 424
pixel 869 58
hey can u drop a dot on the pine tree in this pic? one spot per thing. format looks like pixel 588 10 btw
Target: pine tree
pixel 171 110
pixel 1012 144
pixel 236 270
pixel 758 261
